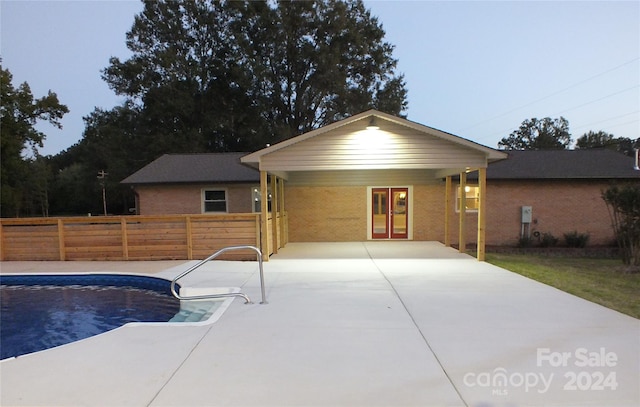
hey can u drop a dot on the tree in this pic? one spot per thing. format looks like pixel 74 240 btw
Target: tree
pixel 594 139
pixel 215 76
pixel 19 113
pixel 535 134
pixel 624 208
pixel 602 139
pixel 627 146
pixel 113 142
pixel 234 76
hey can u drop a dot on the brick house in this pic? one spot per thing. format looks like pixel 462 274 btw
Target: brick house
pixel 563 189
pixel 377 176
pixel 196 183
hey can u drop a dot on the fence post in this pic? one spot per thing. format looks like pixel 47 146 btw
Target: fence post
pixel 125 239
pixel 258 237
pixel 189 238
pixel 61 244
pixel 1 243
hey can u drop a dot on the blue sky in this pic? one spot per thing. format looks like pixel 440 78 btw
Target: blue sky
pixel 474 69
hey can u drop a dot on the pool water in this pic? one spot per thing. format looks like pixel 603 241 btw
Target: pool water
pixel 36 316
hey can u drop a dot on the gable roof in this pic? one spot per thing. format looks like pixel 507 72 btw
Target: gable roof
pixel 194 168
pixel 397 144
pixel 563 164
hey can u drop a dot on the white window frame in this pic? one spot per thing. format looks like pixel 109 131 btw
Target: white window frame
pixel 204 199
pixel 457 201
pixel 256 197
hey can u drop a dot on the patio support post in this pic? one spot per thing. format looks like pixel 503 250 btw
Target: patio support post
pixel 447 211
pixel 482 212
pixel 274 213
pixel 264 221
pixel 462 244
pixel 284 239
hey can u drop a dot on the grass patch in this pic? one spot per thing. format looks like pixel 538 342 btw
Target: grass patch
pixel 603 281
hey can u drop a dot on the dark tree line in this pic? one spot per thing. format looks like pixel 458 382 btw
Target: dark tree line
pixel 234 76
pixel 553 134
pixel 602 139
pixel 216 76
pixel 25 175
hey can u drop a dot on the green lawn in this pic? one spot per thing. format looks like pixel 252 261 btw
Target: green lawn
pixel 603 281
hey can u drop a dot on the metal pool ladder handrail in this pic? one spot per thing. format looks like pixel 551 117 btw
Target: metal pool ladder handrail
pixel 213 256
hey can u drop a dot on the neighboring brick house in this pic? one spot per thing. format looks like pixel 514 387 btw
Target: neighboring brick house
pixel 376 176
pixel 196 183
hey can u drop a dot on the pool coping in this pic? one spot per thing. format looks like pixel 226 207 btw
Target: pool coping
pixel 102 279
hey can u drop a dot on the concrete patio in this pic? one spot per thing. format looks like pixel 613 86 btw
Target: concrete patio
pixel 347 324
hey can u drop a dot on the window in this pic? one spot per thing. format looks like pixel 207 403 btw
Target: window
pixel 472 193
pixel 255 196
pixel 215 200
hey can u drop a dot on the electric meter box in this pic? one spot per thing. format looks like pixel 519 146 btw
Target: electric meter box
pixel 526 214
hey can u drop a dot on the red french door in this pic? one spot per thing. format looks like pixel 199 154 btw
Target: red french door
pixel 389 209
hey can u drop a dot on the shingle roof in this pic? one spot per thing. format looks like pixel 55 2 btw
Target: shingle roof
pixel 527 164
pixel 563 164
pixel 194 168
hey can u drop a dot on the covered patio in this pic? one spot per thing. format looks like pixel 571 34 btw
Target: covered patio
pixel 371 176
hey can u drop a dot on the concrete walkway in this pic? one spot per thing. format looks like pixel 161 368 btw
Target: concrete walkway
pixel 349 324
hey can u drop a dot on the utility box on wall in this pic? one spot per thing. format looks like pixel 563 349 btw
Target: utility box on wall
pixel 526 214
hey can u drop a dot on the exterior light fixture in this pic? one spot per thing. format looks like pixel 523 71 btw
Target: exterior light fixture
pixel 372 124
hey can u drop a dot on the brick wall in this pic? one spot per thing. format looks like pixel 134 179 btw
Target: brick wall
pixel 428 212
pixel 326 214
pixel 323 214
pixel 339 214
pixel 558 207
pixel 187 199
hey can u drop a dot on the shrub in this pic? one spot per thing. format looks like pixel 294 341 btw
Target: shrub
pixel 548 240
pixel 575 239
pixel 624 208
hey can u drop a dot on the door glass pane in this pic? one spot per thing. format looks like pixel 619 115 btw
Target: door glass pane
pixel 399 212
pixel 379 212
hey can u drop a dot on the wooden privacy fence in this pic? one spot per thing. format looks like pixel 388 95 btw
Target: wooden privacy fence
pixel 170 237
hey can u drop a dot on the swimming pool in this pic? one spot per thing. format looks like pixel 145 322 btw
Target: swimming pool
pixel 43 311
